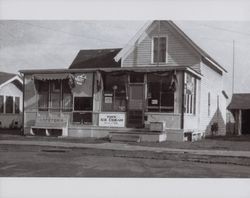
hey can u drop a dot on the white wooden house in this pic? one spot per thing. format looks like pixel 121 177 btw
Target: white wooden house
pixel 160 81
pixel 11 97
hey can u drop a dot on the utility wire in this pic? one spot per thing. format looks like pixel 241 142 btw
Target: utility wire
pixel 227 30
pixel 69 33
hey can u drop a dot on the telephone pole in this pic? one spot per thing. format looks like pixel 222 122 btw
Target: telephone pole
pixel 233 67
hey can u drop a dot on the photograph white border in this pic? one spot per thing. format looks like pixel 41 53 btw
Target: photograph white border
pixel 124 10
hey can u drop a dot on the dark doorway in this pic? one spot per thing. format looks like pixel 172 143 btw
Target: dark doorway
pixel 135 113
pixel 245 122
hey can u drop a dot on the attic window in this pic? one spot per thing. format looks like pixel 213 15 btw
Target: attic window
pixel 159 47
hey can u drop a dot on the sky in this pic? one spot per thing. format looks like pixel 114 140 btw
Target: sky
pixel 42 44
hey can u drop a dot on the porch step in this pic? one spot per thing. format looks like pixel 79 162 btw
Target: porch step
pixel 124 138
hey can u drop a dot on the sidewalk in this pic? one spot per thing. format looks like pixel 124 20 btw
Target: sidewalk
pixel 125 147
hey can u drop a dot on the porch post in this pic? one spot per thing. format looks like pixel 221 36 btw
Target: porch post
pixel 239 122
pixel 23 108
pixel 182 100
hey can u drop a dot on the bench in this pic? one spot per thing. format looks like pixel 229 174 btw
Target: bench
pixel 49 123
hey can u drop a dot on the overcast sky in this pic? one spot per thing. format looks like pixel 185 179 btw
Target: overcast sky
pixel 27 44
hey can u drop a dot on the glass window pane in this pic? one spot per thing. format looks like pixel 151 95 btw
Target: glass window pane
pixel 17 105
pixel 167 99
pixel 83 103
pixel 55 94
pixel 160 47
pixel 1 104
pixel 115 91
pixel 43 95
pixel 43 101
pixel 55 101
pixel 9 104
pixel 160 96
pixel 137 78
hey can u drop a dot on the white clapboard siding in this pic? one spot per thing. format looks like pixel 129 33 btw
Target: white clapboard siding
pixel 212 83
pixel 179 52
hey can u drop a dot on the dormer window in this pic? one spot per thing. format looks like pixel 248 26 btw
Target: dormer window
pixel 159 46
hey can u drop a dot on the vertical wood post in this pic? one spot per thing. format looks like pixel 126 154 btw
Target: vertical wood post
pixel 239 122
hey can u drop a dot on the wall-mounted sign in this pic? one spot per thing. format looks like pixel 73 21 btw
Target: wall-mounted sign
pixel 108 94
pixel 108 100
pixel 154 102
pixel 112 119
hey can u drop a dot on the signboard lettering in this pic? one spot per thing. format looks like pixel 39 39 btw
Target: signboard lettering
pixel 112 119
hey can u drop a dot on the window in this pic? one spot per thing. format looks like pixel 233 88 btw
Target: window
pixel 82 106
pixel 1 104
pixel 190 94
pixel 17 105
pixel 43 95
pixel 9 104
pixel 136 78
pixel 159 49
pixel 54 95
pixel 115 92
pixel 160 95
pixel 83 103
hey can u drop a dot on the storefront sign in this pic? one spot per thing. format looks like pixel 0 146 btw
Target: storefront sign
pixel 154 102
pixel 112 119
pixel 80 79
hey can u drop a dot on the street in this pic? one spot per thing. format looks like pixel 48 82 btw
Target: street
pixel 41 161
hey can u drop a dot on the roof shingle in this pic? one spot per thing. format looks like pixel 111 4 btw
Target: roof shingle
pixel 96 58
pixel 240 101
pixel 5 77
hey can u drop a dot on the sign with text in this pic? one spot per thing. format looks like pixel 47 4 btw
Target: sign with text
pixel 112 119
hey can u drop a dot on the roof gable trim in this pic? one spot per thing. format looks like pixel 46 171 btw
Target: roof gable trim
pixel 11 80
pixel 141 34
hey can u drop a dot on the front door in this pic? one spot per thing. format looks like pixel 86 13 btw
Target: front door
pixel 245 129
pixel 136 103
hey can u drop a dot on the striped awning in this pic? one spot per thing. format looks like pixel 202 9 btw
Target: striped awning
pixel 59 76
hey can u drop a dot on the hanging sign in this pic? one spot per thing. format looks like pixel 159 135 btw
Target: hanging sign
pixel 80 79
pixel 112 119
pixel 108 100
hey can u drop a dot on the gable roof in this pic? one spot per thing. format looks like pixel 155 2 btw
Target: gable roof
pixel 6 78
pixel 240 101
pixel 95 58
pixel 138 38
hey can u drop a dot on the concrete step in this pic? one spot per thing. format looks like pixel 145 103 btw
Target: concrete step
pixel 125 138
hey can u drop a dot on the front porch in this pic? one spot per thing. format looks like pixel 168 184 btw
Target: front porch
pixel 113 102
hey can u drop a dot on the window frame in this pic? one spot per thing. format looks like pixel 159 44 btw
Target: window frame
pixel 109 94
pixel 159 108
pixel 13 102
pixel 49 93
pixel 152 49
pixel 82 112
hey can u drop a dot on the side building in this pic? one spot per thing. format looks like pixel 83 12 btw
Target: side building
pixel 160 77
pixel 11 97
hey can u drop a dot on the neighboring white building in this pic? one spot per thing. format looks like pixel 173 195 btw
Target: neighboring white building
pixel 11 100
